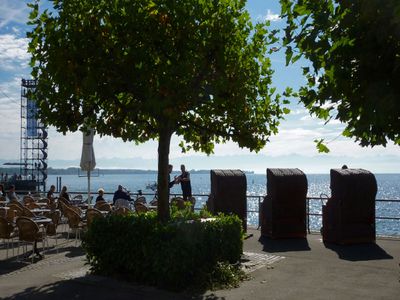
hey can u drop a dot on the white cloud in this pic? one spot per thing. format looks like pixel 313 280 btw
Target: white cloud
pixel 13 52
pixel 12 11
pixel 300 111
pixel 271 16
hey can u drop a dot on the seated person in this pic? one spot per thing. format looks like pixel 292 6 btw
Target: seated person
pixel 50 194
pixel 100 196
pixel 121 194
pixel 11 193
pixel 64 194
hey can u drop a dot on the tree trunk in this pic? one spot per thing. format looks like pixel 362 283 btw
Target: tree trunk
pixel 162 179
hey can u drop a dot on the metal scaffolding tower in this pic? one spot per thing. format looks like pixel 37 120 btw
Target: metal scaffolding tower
pixel 33 151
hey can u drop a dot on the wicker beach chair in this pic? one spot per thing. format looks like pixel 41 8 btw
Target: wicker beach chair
pixel 284 209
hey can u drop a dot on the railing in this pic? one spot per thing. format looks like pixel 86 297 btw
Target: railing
pixel 257 199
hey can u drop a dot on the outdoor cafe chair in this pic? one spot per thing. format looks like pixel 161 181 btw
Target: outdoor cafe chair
pixel 91 214
pixel 7 233
pixel 18 211
pixel 64 201
pixel 74 221
pixel 121 211
pixel 99 203
pixel 29 232
pixel 104 207
pixel 140 208
pixel 15 202
pixel 32 205
pixel 27 213
pixel 27 199
pixel 51 228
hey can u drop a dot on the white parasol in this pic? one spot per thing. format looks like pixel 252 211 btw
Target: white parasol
pixel 88 161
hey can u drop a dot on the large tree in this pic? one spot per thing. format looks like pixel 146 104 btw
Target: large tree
pixel 354 75
pixel 142 70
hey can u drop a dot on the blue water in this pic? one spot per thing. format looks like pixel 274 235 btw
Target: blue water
pixel 388 188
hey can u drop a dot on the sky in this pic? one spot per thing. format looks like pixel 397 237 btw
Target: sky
pixel 292 147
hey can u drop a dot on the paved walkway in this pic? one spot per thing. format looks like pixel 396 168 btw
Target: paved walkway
pixel 279 269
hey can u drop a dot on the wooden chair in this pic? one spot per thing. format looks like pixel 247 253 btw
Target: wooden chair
pixel 29 232
pixel 91 214
pixel 7 233
pixel 140 208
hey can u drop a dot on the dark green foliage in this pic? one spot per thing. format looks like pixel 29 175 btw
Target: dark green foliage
pixel 174 255
pixel 354 71
pixel 145 70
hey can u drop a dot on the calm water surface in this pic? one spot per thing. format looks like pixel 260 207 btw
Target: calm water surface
pixel 388 188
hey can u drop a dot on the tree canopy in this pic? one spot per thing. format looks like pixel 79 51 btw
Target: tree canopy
pixel 354 76
pixel 142 70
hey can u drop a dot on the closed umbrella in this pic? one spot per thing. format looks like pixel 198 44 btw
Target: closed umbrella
pixel 88 161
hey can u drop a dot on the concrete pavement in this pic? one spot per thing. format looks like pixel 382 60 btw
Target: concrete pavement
pixel 278 269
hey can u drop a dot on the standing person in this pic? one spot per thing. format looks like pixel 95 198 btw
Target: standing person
pixel 64 194
pixel 184 179
pixel 121 194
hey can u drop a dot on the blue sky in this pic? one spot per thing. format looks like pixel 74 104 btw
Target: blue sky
pixel 292 147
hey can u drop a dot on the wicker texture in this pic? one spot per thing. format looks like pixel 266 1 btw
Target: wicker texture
pixel 349 215
pixel 283 212
pixel 91 214
pixel 228 193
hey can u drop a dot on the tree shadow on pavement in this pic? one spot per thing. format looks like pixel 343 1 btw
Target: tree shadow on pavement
pixel 283 245
pixel 78 289
pixel 359 252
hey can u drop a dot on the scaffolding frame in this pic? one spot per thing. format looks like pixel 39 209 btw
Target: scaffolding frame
pixel 34 139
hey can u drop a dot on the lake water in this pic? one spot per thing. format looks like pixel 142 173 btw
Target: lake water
pixel 388 188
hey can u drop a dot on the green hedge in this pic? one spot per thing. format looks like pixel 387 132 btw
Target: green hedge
pixel 175 255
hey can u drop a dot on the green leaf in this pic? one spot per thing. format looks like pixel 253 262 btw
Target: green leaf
pixel 321 147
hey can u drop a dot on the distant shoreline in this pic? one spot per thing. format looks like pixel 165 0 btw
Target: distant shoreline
pixel 75 171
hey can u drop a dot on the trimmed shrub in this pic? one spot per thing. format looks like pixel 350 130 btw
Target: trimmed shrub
pixel 176 255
